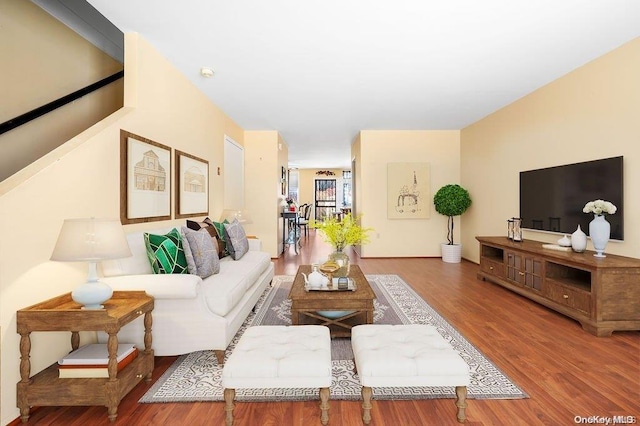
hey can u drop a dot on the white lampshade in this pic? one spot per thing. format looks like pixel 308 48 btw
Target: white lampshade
pixel 242 215
pixel 91 240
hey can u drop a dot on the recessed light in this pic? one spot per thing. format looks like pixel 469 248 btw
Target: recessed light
pixel 206 72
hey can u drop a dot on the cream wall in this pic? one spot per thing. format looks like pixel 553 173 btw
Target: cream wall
pixel 377 148
pixel 162 105
pixel 356 175
pixel 265 154
pixel 37 70
pixel 588 114
pixel 283 161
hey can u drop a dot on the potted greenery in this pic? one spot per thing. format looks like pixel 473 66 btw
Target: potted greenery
pixel 451 200
pixel 341 234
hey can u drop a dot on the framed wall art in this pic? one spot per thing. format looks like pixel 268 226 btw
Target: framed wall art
pixel 192 185
pixel 145 179
pixel 408 194
pixel 283 181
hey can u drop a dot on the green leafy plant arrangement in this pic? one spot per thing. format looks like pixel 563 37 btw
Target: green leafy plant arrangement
pixel 451 200
pixel 341 234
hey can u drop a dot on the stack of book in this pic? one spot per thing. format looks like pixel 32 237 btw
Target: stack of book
pixel 92 361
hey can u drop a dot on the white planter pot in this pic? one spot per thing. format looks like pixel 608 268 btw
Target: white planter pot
pixel 451 253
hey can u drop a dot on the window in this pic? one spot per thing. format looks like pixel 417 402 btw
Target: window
pixel 294 179
pixel 346 188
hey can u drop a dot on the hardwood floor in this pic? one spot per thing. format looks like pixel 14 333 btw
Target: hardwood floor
pixel 566 371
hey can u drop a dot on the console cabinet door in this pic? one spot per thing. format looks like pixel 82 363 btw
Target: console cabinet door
pixel 525 270
pixel 533 273
pixel 515 271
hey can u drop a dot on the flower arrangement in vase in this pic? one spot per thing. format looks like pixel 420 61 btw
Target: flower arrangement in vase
pixel 599 228
pixel 599 207
pixel 341 234
pixel 291 204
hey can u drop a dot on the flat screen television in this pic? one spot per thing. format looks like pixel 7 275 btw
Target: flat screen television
pixel 552 199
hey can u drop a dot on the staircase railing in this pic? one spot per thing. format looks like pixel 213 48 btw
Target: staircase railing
pixel 51 106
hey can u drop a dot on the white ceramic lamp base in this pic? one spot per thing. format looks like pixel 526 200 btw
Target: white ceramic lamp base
pixel 93 293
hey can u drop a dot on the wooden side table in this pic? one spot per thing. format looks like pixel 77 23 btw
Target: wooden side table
pixel 63 314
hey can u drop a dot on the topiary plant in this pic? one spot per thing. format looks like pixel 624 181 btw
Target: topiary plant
pixel 451 200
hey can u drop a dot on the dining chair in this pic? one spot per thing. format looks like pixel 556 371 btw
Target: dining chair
pixel 301 209
pixel 304 221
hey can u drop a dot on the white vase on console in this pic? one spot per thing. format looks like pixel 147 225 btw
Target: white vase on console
pixel 579 240
pixel 564 241
pixel 599 231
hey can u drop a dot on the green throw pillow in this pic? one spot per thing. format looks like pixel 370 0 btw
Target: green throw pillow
pixel 165 253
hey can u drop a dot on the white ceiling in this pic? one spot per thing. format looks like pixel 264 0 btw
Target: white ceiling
pixel 320 71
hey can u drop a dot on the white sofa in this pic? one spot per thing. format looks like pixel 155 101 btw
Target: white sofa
pixel 190 313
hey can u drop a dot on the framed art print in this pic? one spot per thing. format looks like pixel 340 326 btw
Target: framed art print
pixel 283 181
pixel 408 195
pixel 192 185
pixel 145 179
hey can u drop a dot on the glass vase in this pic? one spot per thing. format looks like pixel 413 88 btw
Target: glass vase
pixel 342 259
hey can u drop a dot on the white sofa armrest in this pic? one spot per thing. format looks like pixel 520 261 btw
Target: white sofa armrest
pixel 255 244
pixel 160 286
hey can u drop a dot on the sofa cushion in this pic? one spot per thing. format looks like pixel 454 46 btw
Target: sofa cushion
pixel 222 241
pixel 196 226
pixel 160 286
pixel 191 264
pixel 201 254
pixel 237 244
pixel 212 230
pixel 165 253
pixel 223 291
pixel 136 264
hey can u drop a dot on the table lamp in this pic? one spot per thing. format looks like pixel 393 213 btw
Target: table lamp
pixel 243 216
pixel 91 240
pixel 283 201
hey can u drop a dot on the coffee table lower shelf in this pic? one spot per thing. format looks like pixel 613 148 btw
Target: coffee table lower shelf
pixel 338 327
pixel 357 305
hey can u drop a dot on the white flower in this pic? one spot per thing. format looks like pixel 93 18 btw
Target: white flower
pixel 599 207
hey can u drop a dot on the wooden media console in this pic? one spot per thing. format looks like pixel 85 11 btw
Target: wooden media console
pixel 603 294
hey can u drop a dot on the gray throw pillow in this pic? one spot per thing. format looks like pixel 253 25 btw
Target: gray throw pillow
pixel 204 255
pixel 191 264
pixel 237 243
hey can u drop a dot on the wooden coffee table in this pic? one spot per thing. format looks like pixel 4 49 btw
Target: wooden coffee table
pixel 305 304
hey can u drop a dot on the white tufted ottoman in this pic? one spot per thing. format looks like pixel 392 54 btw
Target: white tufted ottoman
pixel 280 357
pixel 406 355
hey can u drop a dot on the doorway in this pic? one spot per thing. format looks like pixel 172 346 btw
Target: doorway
pixel 325 198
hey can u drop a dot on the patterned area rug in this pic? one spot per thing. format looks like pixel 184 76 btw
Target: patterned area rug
pixel 197 376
